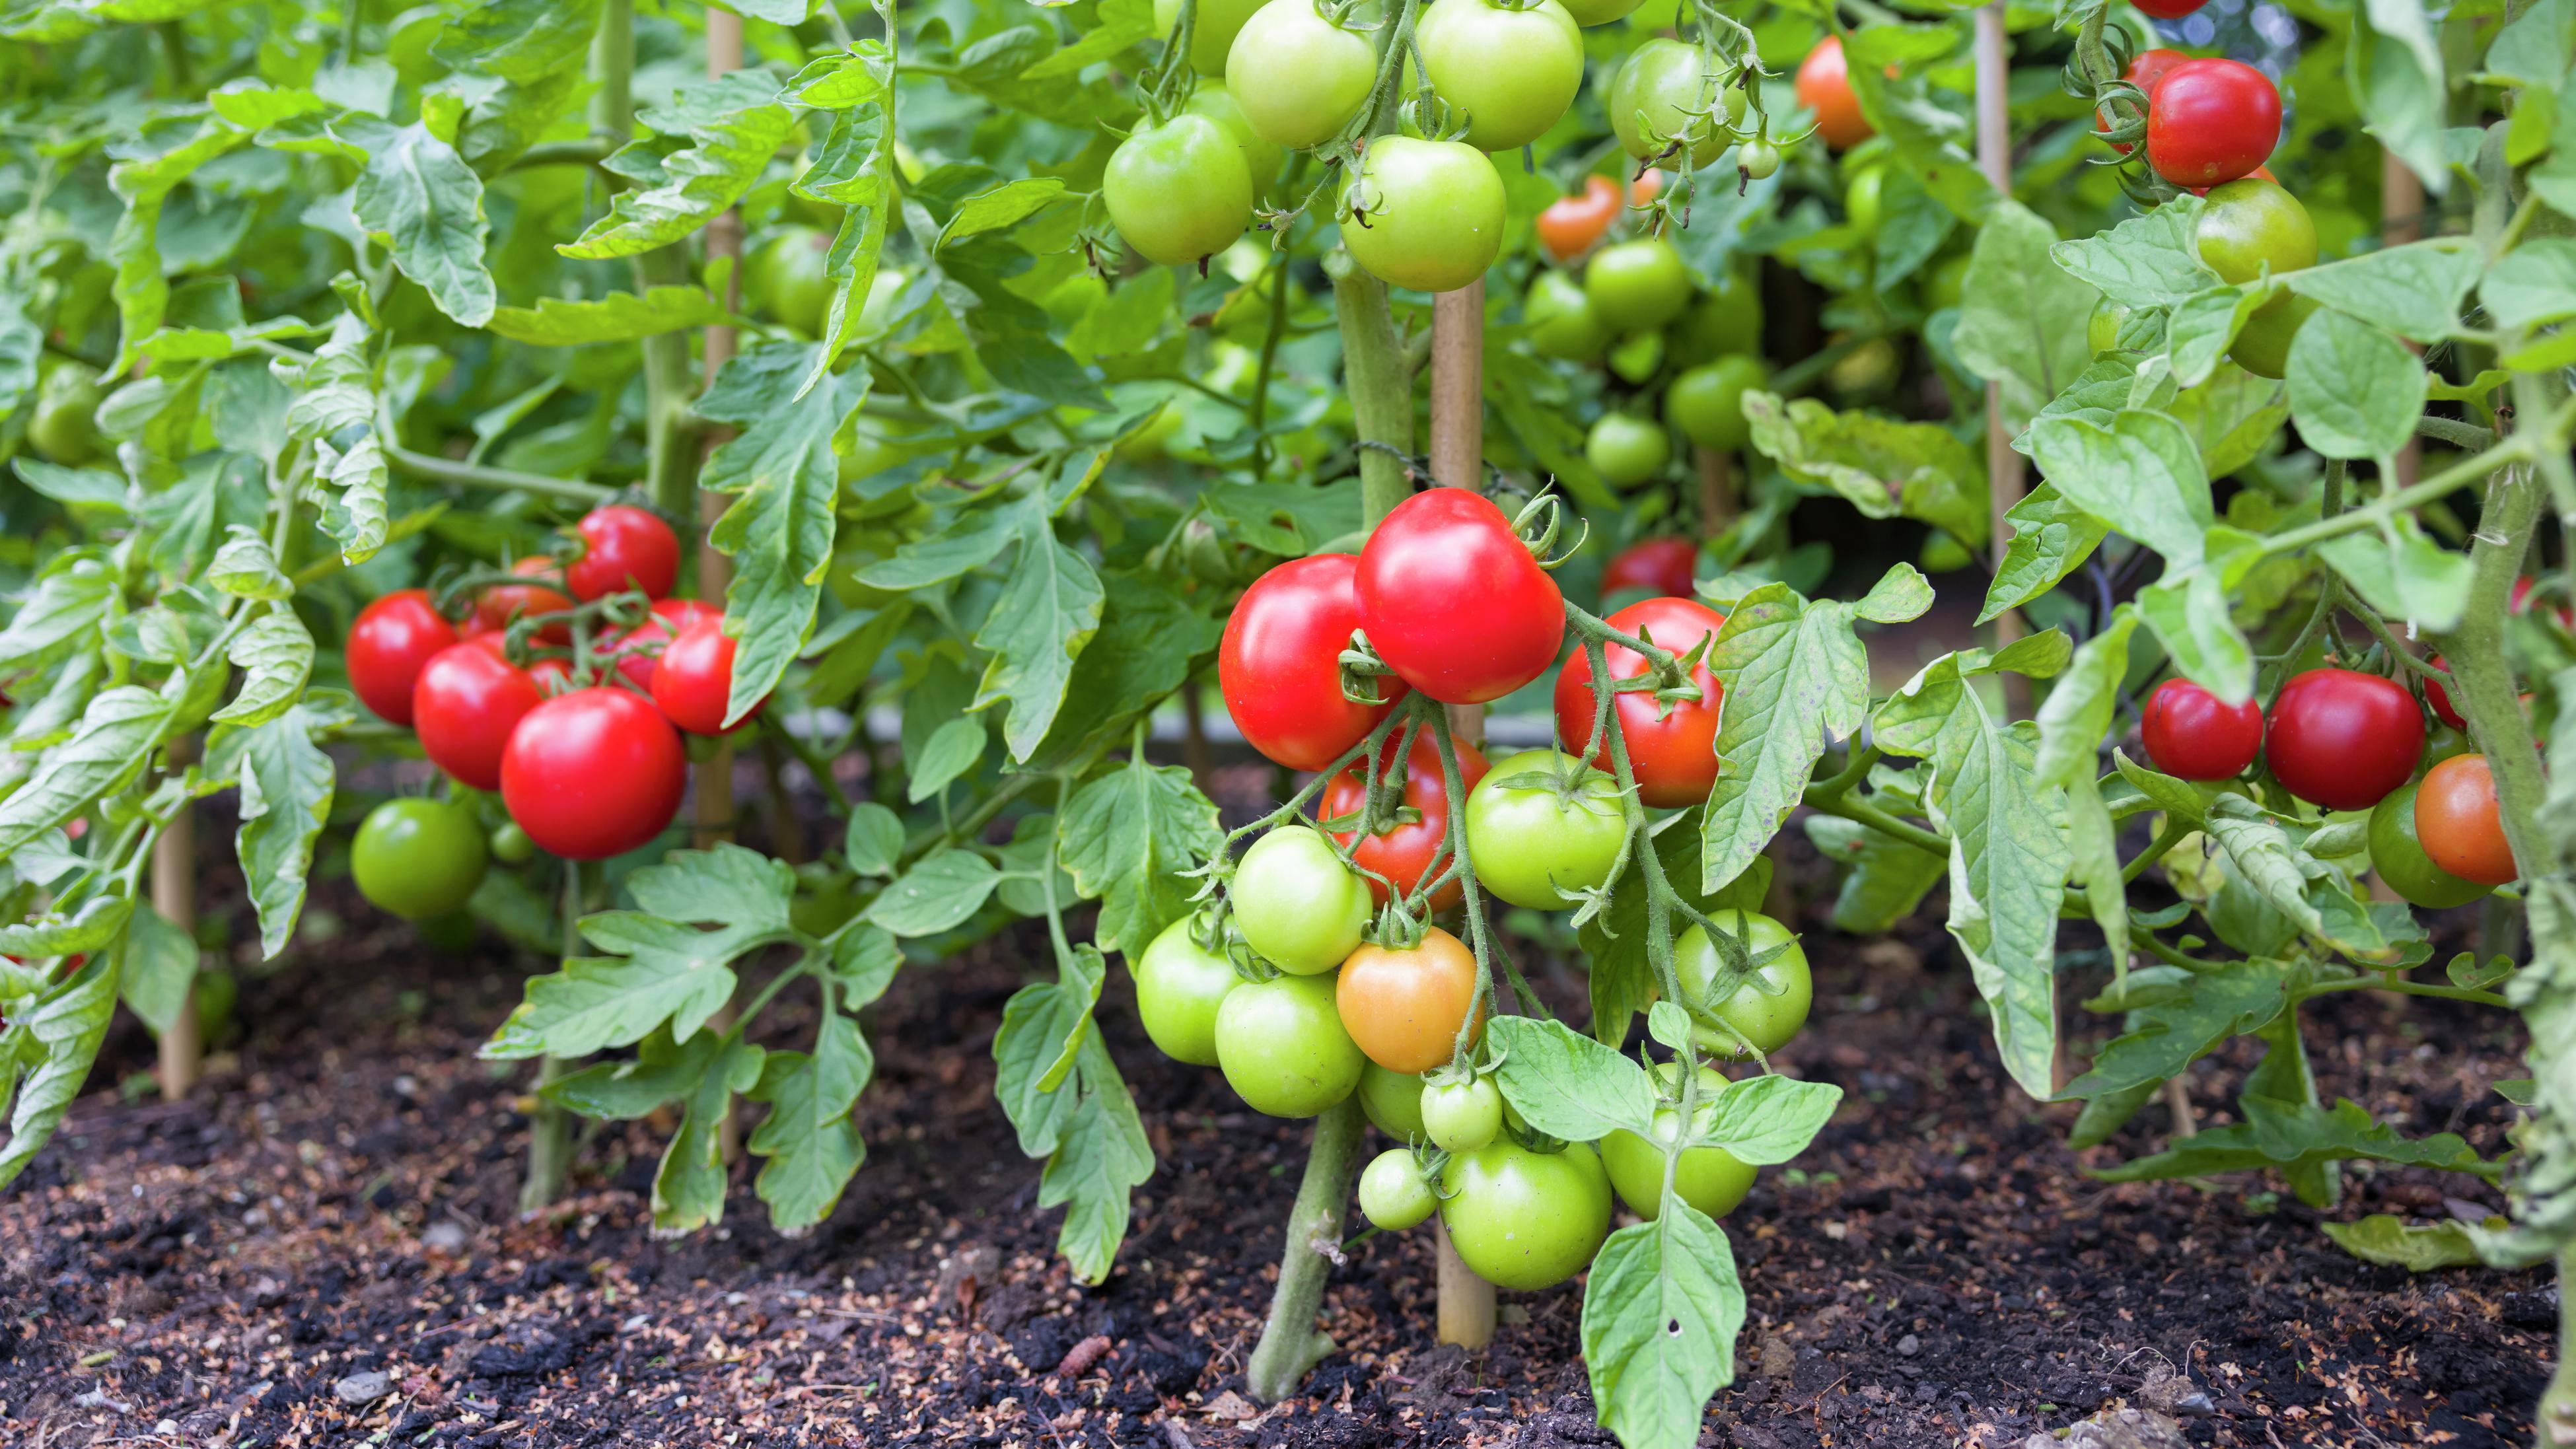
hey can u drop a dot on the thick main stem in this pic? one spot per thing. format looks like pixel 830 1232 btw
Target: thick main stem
pixel 549 1125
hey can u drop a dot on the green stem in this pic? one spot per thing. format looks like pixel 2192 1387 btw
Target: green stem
pixel 1291 1345
pixel 2403 987
pixel 2515 449
pixel 1380 385
pixel 550 1126
pixel 476 475
pixel 670 428
pixel 612 67
pixel 2483 678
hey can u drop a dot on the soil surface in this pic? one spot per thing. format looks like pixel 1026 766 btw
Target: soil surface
pixel 322 1248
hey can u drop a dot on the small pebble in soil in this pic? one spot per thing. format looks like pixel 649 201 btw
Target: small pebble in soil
pixel 364 1388
pixel 445 1237
pixel 1909 1345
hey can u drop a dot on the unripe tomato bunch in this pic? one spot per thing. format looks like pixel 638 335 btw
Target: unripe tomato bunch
pixel 563 685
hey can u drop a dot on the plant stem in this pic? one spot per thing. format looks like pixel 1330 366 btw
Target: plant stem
pixel 1290 1344
pixel 549 1125
pixel 1380 384
pixel 476 475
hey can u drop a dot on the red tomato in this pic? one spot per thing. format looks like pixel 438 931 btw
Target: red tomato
pixel 2211 121
pixel 623 547
pixel 1404 853
pixel 1279 666
pixel 1675 757
pixel 2169 9
pixel 2522 588
pixel 504 602
pixel 637 650
pixel 392 638
pixel 2459 825
pixel 1453 601
pixel 2143 72
pixel 1571 224
pixel 1824 82
pixel 595 773
pixel 467 702
pixel 2191 736
pixel 696 678
pixel 2440 698
pixel 2343 740
pixel 1665 565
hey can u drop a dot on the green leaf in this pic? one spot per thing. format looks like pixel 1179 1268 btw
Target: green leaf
pixel 1150 638
pixel 2147 261
pixel 875 841
pixel 780 528
pixel 1101 1157
pixel 1125 837
pixel 61 1039
pixel 518 40
pixel 92 928
pixel 935 895
pixel 65 609
pixel 2413 290
pixel 812 1145
pixel 2078 713
pixel 1884 878
pixel 2355 391
pixel 2403 573
pixel 1044 1026
pixel 2050 539
pixel 1122 23
pixel 689 1188
pixel 156 969
pixel 1614 941
pixel 356 517
pixel 734 124
pixel 1661 1310
pixel 1770 1118
pixel 421 196
pixel 2141 475
pixel 1567 1084
pixel 954 749
pixel 2023 319
pixel 866 136
pixel 2008 854
pixel 286 789
pixel 107 749
pixel 2189 610
pixel 617 317
pixel 968 542
pixel 1004 206
pixel 2162 1039
pixel 244 568
pixel 662 1071
pixel 1048 610
pixel 2393 64
pixel 2309 893
pixel 2533 284
pixel 2093 851
pixel 1880 466
pixel 275 656
pixel 2201 330
pixel 2386 1239
pixel 2290 1136
pixel 1291 520
pixel 2231 417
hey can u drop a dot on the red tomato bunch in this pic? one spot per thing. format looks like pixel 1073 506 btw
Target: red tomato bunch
pixel 587 767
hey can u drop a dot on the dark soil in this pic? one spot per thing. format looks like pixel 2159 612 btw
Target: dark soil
pixel 339 1202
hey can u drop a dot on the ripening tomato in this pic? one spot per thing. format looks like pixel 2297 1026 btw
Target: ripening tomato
pixel 1626 450
pixel 1572 224
pixel 1824 83
pixel 1393 1101
pixel 1426 214
pixel 1525 1220
pixel 1404 1008
pixel 1179 985
pixel 419 858
pixel 2211 121
pixel 64 426
pixel 465 704
pixel 1298 77
pixel 1636 285
pixel 1282 1048
pixel 1659 565
pixel 1543 826
pixel 1179 191
pixel 2397 853
pixel 2342 739
pixel 593 774
pixel 1297 905
pixel 1394 1194
pixel 510 845
pixel 2148 68
pixel 503 603
pixel 1453 601
pixel 1561 320
pixel 1767 1007
pixel 1664 94
pixel 1674 757
pixel 1462 1116
pixel 1279 665
pixel 1707 402
pixel 695 681
pixel 2249 227
pixel 638 651
pixel 1404 853
pixel 392 639
pixel 2459 824
pixel 2191 736
pixel 1710 1179
pixel 1513 71
pixel 623 547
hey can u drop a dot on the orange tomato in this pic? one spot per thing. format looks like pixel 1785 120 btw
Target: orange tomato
pixel 1572 224
pixel 1824 82
pixel 2457 822
pixel 1644 190
pixel 1404 1007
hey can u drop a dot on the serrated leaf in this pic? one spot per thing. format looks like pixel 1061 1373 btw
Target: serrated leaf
pixel 2147 261
pixel 2416 1247
pixel 2141 474
pixel 2164 1037
pixel 275 656
pixel 2291 1136
pixel 2022 320
pixel 356 514
pixel 518 40
pixel 1769 1118
pixel 1048 610
pixel 734 124
pixel 107 749
pixel 156 970
pixel 245 568
pixel 1623 980
pixel 936 894
pixel 2413 290
pixel 1793 671
pixel 689 1187
pixel 1006 205
pixel 1661 1311
pixel 63 1031
pixel 422 197
pixel 780 528
pixel 617 317
pixel 812 1145
pixel 2077 715
pixel 66 606
pixel 286 789
pixel 1882 467
pixel 2355 391
pixel 1125 837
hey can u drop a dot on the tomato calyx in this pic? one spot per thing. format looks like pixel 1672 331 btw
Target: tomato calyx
pixel 1361 670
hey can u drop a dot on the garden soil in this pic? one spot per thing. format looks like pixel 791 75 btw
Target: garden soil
pixel 322 1248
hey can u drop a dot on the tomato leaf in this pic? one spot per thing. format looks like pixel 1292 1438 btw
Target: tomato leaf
pixel 1064 1096
pixel 2141 474
pixel 1882 467
pixel 1126 837
pixel 276 657
pixel 2391 1241
pixel 780 528
pixel 2147 261
pixel 1623 981
pixel 2164 1037
pixel 689 1187
pixel 2022 318
pixel 2393 65
pixel 2291 1136
pixel 732 126
pixel 2532 285
pixel 953 749
pixel 1769 1118
pixel 1568 1085
pixel 874 844
pixel 617 317
pixel 54 1044
pixel 936 894
pixel 421 196
pixel 1048 610
pixel 286 789
pixel 1661 1310
pixel 518 40
pixel 813 1146
pixel 64 610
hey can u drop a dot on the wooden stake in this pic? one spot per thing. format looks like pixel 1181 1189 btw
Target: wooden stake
pixel 1458 461
pixel 174 897
pixel 2004 481
pixel 1718 504
pixel 714 796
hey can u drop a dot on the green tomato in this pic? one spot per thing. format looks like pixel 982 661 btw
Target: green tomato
pixel 1261 155
pixel 1178 191
pixel 1212 37
pixel 1946 284
pixel 1299 77
pixel 1542 824
pixel 1707 402
pixel 1560 319
pixel 1179 985
pixel 2252 225
pixel 1866 371
pixel 1393 1100
pixel 1298 906
pixel 2398 855
pixel 2262 345
pixel 419 858
pixel 1863 203
pixel 1768 1007
pixel 1725 321
pixel 1638 356
pixel 1282 1046
pixel 65 426
pixel 1525 1220
pixel 788 278
pixel 510 845
pixel 1427 214
pixel 1710 1179
pixel 1662 94
pixel 1514 72
pixel 1394 1195
pixel 1462 1116
pixel 1637 284
pixel 2102 328
pixel 1626 450
pixel 1758 160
